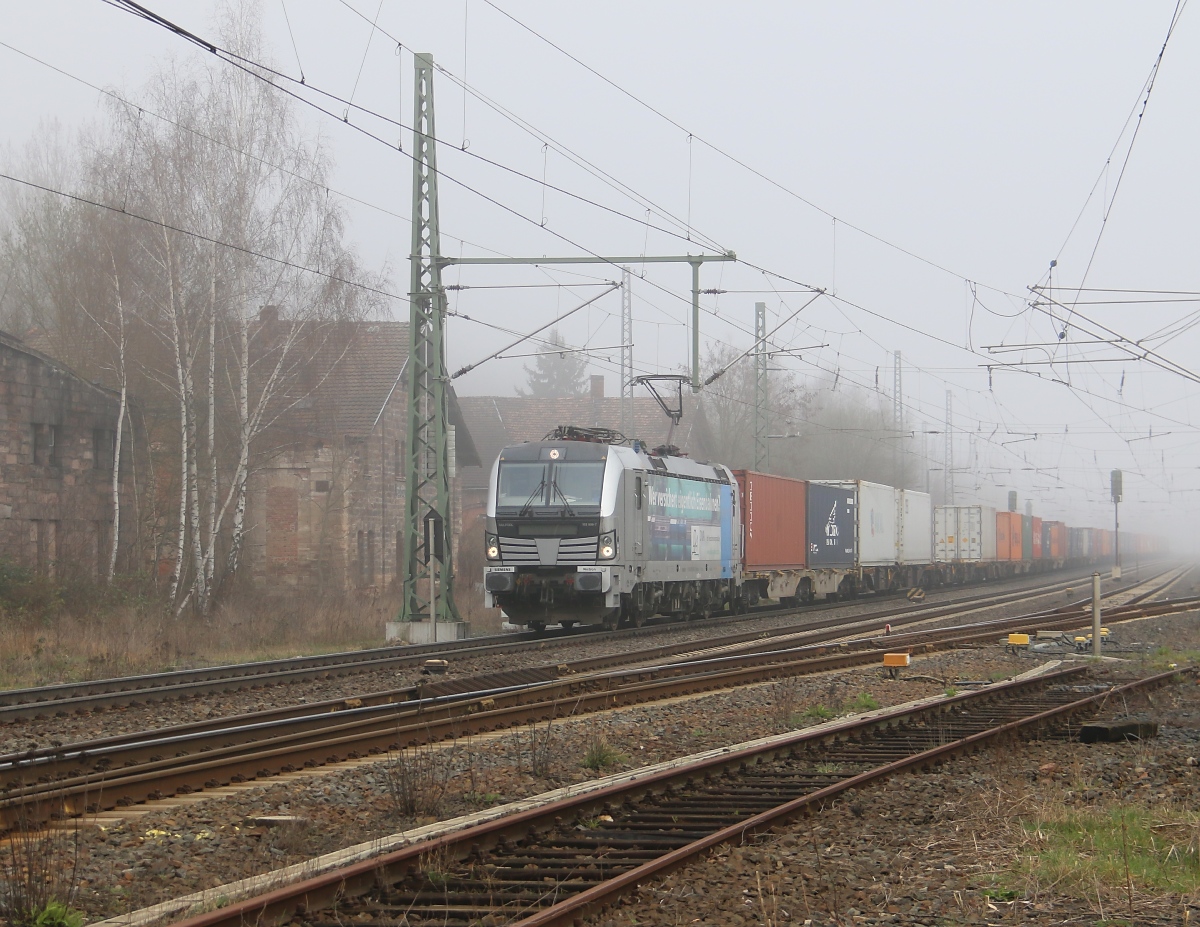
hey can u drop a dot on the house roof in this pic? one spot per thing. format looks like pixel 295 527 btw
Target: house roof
pixel 366 368
pixel 24 346
pixel 498 421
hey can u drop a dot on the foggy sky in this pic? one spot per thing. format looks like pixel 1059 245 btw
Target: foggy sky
pixel 976 142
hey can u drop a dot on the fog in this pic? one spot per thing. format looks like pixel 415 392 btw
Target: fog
pixel 923 165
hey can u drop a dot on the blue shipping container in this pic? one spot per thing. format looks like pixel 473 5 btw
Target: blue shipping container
pixel 831 518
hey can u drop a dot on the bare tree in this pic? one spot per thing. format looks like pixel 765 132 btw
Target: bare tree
pixel 222 313
pixel 844 433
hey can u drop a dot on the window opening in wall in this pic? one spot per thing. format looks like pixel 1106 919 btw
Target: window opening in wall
pixel 45 445
pixel 103 447
pixel 321 486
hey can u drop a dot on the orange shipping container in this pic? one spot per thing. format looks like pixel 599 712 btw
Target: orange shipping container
pixel 1008 536
pixel 1058 541
pixel 773 508
pixel 1037 538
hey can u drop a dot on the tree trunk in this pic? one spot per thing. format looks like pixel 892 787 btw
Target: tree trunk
pixel 241 475
pixel 117 439
pixel 181 379
pixel 211 554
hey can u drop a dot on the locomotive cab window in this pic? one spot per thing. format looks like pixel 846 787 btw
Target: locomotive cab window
pixel 522 484
pixel 637 493
pixel 548 484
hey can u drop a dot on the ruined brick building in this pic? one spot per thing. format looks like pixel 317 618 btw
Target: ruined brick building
pixel 326 505
pixel 57 442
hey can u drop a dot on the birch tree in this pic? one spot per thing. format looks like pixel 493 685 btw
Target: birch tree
pixel 242 285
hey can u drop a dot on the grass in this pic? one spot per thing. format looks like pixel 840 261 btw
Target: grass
pixel 1129 848
pixel 601 754
pixel 126 634
pixel 864 701
pixel 39 876
pixel 951 691
pixel 57 914
pixel 817 713
pixel 1164 658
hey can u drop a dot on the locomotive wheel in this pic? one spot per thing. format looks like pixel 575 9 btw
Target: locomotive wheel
pixel 567 625
pixel 537 627
pixel 610 622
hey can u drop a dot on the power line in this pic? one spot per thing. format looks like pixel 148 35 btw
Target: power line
pixel 249 67
pixel 565 150
pixel 254 67
pixel 283 262
pixel 727 155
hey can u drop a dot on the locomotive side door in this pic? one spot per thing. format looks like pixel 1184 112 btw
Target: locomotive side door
pixel 634 520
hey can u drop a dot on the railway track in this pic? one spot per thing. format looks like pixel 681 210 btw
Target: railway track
pixel 104 774
pixel 32 703
pixel 557 863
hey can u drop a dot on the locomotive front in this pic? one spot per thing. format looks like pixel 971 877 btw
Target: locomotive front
pixel 553 533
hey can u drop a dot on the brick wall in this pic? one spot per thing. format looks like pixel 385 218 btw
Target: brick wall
pixel 56 442
pixel 328 513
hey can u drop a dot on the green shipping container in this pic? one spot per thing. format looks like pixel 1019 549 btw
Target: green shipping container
pixel 1026 537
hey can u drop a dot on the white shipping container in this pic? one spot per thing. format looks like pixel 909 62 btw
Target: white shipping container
pixel 965 533
pixel 876 525
pixel 945 533
pixel 914 526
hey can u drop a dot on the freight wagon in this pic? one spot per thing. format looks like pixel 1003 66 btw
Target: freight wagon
pixel 966 540
pixel 798 538
pixel 893 540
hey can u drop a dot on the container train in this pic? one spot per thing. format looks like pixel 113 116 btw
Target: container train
pixel 581 531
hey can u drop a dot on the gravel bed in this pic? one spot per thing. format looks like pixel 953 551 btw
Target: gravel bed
pixel 70 728
pixel 952 846
pixel 170 851
pixel 949 847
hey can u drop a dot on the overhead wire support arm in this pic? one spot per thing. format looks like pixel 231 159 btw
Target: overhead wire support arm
pixel 761 340
pixel 694 259
pixel 508 347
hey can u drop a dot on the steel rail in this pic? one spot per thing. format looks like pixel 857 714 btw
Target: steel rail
pixel 64 698
pixel 250 726
pixel 343 886
pixel 88 778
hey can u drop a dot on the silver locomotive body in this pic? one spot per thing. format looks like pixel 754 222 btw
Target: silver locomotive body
pixel 591 533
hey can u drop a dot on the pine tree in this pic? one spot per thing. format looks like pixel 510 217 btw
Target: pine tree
pixel 555 374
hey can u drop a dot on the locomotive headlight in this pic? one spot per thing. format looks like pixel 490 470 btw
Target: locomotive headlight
pixel 492 547
pixel 608 545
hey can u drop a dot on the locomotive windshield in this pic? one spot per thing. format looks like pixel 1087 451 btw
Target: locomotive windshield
pixel 529 484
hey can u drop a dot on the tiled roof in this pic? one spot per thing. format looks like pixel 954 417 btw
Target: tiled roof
pixel 498 421
pixel 34 345
pixel 366 367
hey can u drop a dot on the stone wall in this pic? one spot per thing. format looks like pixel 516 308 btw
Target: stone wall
pixel 56 444
pixel 325 513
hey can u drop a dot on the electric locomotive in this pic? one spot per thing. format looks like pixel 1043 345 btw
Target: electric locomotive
pixel 580 530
